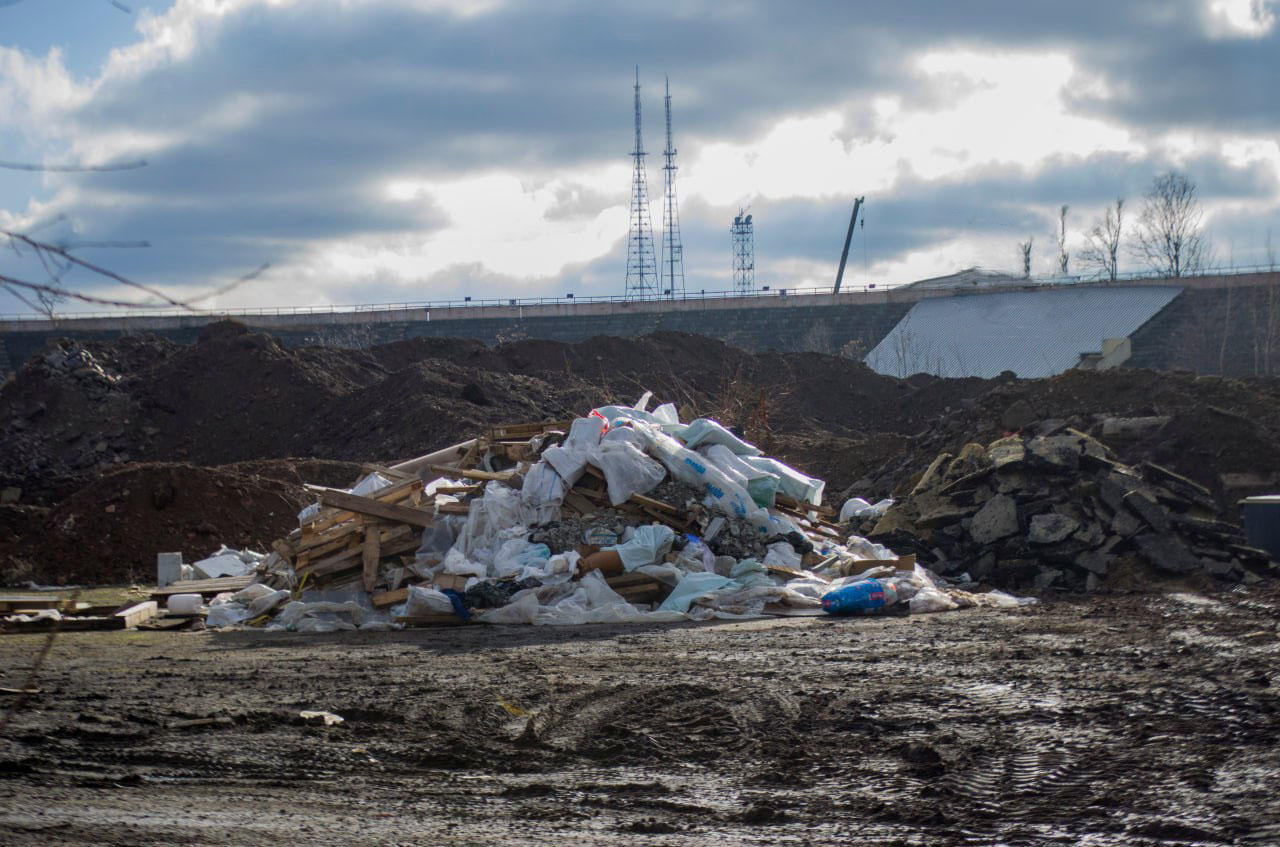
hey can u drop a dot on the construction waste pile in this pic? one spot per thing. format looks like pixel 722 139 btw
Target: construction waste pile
pixel 1059 511
pixel 622 515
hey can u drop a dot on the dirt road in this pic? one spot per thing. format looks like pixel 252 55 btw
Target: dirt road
pixel 1137 720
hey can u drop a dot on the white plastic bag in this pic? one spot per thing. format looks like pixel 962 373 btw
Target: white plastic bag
pixel 424 600
pixel 542 494
pixel 647 545
pixel 761 485
pixel 791 482
pixel 707 431
pixel 627 470
pixel 856 507
pixel 720 490
pixel 570 458
pixel 226 614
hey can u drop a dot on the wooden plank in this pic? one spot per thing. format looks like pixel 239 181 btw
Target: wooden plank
pixel 139 613
pixel 390 542
pixel 654 504
pixel 374 508
pixel 453 508
pixel 328 517
pixel 205 586
pixel 390 598
pixel 488 476
pixel 370 554
pixel 459 489
pixel 793 503
pixel 10 602
pixel 285 550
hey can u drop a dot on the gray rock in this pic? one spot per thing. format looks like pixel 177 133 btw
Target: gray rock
pixel 1060 454
pixel 1125 524
pixel 1047 577
pixel 1050 528
pixel 1149 510
pixel 1018 416
pixel 1167 553
pixel 1095 562
pixel 997 519
pixel 1090 533
pixel 943 515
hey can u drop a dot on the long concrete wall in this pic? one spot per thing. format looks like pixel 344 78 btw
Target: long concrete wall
pixel 851 322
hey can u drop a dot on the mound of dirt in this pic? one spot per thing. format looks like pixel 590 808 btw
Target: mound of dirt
pixel 111 529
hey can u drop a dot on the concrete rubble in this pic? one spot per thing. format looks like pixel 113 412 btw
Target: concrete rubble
pixel 1060 512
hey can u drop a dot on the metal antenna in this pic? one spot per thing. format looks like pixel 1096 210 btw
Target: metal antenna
pixel 744 254
pixel 672 250
pixel 642 271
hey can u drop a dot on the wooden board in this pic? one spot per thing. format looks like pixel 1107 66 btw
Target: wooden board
pixel 390 541
pixel 453 508
pixel 12 602
pixel 377 509
pixel 139 613
pixel 488 476
pixel 206 587
pixel 370 553
pixel 792 503
pixel 389 598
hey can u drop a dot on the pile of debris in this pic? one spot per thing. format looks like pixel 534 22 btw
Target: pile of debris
pixel 1060 512
pixel 622 515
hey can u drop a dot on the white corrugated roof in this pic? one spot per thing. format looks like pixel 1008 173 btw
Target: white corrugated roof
pixel 1032 333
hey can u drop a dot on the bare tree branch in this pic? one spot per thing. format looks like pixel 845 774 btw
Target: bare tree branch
pixel 1170 240
pixel 1064 258
pixel 1103 240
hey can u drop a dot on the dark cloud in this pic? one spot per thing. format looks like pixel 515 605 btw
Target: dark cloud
pixel 290 120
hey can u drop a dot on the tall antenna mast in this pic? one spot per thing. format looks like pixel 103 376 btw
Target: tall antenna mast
pixel 672 273
pixel 744 255
pixel 642 271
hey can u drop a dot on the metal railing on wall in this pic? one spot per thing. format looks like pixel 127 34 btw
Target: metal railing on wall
pixel 570 300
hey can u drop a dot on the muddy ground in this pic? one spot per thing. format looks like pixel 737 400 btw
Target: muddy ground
pixel 1134 720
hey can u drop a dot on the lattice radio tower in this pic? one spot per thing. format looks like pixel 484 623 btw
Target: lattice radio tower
pixel 672 268
pixel 642 271
pixel 744 254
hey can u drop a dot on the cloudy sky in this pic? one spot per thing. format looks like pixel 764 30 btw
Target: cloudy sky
pixel 403 150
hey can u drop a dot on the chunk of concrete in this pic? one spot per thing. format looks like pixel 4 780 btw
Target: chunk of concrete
pixel 1149 510
pixel 1050 528
pixel 168 568
pixel 1167 553
pixel 998 518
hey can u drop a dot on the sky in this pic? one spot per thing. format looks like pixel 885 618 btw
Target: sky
pixel 378 151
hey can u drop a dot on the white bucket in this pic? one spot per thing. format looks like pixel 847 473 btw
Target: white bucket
pixel 184 604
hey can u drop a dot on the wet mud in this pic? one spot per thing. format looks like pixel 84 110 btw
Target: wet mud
pixel 1135 720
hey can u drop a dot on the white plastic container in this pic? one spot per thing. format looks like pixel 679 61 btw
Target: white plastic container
pixel 184 604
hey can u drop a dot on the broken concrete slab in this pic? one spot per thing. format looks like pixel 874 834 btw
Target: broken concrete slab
pixel 1051 528
pixel 997 519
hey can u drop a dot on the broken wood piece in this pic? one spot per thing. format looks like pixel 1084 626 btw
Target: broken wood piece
pixel 799 505
pixel 488 476
pixel 456 490
pixel 139 613
pixel 389 598
pixel 206 587
pixel 285 550
pixel 370 553
pixel 377 509
pixel 453 508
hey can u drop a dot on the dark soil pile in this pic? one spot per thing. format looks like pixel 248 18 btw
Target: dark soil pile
pixel 79 412
pixel 111 529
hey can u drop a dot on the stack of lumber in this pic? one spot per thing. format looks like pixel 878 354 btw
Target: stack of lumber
pixel 72 617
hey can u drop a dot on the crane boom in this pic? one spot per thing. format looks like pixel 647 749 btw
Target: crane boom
pixel 844 257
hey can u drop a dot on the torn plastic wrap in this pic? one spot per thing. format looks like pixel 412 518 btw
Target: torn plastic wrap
pixel 706 431
pixel 542 493
pixel 570 458
pixel 627 470
pixel 791 482
pixel 761 485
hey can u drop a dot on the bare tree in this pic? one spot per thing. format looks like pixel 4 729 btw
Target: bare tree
pixel 1103 241
pixel 1064 258
pixel 1169 237
pixel 1024 247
